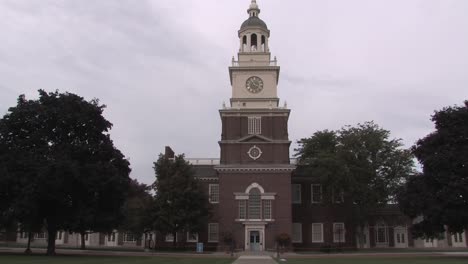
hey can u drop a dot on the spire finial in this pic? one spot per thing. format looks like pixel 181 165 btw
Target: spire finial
pixel 253 9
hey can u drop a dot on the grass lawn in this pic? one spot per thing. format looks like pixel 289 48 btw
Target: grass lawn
pixel 23 259
pixel 381 260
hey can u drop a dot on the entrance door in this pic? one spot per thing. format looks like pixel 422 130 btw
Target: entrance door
pixel 401 240
pixel 254 240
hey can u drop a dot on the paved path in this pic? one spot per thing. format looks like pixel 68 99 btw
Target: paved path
pixel 246 259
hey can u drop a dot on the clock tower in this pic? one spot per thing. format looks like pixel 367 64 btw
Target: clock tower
pixel 255 171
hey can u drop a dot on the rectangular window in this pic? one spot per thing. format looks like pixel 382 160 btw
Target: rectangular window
pixel 296 193
pixel 41 235
pixel 149 236
pixel 169 238
pixel 297 233
pixel 129 237
pixel 381 234
pixel 266 209
pixel 214 193
pixel 458 239
pixel 213 232
pixel 192 237
pixel 242 209
pixel 111 237
pixel 316 193
pixel 339 232
pixel 317 233
pixel 338 196
pixel 255 125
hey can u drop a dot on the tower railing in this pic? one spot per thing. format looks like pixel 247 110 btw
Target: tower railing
pixel 204 161
pixel 213 161
pixel 254 63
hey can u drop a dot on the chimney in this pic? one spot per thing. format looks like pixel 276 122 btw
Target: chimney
pixel 169 153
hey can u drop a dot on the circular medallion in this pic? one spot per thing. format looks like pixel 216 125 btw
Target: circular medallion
pixel 254 152
pixel 254 84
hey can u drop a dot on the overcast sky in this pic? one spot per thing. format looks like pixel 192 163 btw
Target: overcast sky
pixel 161 66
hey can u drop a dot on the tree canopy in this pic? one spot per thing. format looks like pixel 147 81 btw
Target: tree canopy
pixel 439 195
pixel 137 209
pixel 363 161
pixel 180 203
pixel 60 166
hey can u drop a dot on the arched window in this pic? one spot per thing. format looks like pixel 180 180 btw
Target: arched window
pixel 244 43
pixel 255 204
pixel 253 42
pixel 263 45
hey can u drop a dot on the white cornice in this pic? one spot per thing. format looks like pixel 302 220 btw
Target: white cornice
pixel 207 178
pixel 270 169
pixel 256 142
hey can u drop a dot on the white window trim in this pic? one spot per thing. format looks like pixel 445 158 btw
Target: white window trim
pixel 59 236
pixel 170 238
pixel 321 230
pixel 209 233
pixel 37 237
pixel 343 238
pixel 254 125
pixel 112 237
pixel 458 239
pixel 126 240
pixel 192 240
pixel 385 227
pixel 300 233
pixel 209 193
pixel 312 193
pixel 244 206
pixel 299 201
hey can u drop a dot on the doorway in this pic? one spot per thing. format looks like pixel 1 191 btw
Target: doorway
pixel 401 237
pixel 254 241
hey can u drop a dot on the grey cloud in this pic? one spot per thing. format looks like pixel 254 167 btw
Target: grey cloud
pixel 161 66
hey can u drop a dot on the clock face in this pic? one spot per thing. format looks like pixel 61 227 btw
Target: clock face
pixel 254 84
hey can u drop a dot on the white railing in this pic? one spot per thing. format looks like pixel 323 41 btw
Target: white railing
pixel 204 161
pixel 237 63
pixel 208 161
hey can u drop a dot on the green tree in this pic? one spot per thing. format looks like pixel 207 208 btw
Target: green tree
pixel 439 195
pixel 59 159
pixel 361 161
pixel 137 209
pixel 180 203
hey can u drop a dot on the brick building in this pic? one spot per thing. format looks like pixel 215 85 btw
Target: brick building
pixel 257 192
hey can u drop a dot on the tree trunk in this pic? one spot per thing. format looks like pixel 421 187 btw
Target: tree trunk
pixel 174 242
pixel 83 242
pixel 28 247
pixel 52 233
